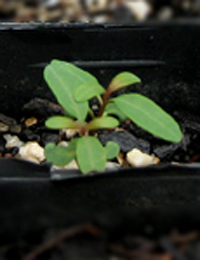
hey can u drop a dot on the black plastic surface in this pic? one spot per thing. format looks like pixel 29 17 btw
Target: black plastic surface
pixel 165 55
pixel 167 58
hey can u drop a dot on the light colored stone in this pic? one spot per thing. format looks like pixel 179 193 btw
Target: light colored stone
pixel 31 121
pixel 16 129
pixel 112 165
pixel 96 5
pixel 32 151
pixel 3 127
pixel 63 144
pixel 13 141
pixel 69 133
pixel 165 13
pixel 139 8
pixel 70 166
pixel 137 158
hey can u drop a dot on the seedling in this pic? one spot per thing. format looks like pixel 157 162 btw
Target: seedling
pixel 73 88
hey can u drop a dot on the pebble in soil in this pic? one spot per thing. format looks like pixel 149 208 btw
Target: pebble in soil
pixel 32 129
pixel 32 151
pixel 41 108
pixel 125 140
pixel 138 159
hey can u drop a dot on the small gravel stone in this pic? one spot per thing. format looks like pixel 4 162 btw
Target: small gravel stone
pixel 15 129
pixel 27 135
pixel 31 121
pixel 3 127
pixel 138 159
pixel 12 150
pixel 64 144
pixel 71 165
pixel 42 108
pixel 2 144
pixel 112 165
pixel 7 120
pixel 49 138
pixel 32 151
pixel 125 140
pixel 140 9
pixel 69 133
pixel 13 141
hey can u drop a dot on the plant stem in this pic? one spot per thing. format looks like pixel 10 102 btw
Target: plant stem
pixel 100 99
pixel 84 131
pixel 105 102
pixel 91 113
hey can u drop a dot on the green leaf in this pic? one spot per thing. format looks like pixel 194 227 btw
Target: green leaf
pixel 64 79
pixel 60 122
pixel 148 115
pixel 112 150
pixel 88 90
pixel 59 155
pixel 90 154
pixel 112 109
pixel 122 80
pixel 102 122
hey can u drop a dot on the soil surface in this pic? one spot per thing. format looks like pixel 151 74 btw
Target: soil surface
pixel 97 11
pixel 18 138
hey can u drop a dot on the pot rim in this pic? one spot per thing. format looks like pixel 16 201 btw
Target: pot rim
pixel 78 25
pixel 16 169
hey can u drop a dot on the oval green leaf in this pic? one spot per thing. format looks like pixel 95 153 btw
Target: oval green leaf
pixel 149 116
pixel 60 122
pixel 122 80
pixel 90 155
pixel 112 150
pixel 59 155
pixel 64 78
pixel 102 122
pixel 112 109
pixel 88 90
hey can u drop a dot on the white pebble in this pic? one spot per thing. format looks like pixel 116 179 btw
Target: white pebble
pixel 137 158
pixel 13 141
pixel 70 166
pixel 96 5
pixel 139 8
pixel 3 127
pixel 112 165
pixel 63 144
pixel 69 133
pixel 32 151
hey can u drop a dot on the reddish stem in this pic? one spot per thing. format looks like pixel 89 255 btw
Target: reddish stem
pixel 105 102
pixel 83 131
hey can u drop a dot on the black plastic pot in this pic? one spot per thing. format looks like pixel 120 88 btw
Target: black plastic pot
pixel 166 56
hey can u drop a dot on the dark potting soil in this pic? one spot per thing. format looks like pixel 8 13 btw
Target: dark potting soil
pixel 31 128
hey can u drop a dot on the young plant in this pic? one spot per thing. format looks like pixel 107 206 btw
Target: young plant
pixel 73 88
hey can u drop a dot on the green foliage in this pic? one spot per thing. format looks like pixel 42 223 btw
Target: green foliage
pixel 63 79
pixel 112 150
pixel 59 155
pixel 122 80
pixel 88 90
pixel 73 88
pixel 148 115
pixel 91 155
pixel 112 109
pixel 103 122
pixel 59 122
